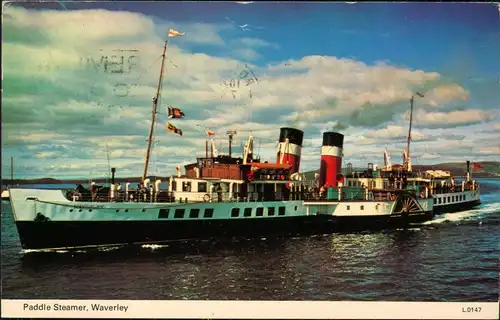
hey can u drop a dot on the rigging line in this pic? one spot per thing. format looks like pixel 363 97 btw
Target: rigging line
pixel 145 72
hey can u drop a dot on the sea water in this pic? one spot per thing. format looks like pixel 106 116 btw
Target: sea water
pixel 454 257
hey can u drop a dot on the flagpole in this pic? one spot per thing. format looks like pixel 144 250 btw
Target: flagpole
pixel 155 106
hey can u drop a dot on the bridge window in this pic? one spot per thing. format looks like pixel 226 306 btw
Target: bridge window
pixel 348 207
pixel 270 211
pixel 179 213
pixel 235 212
pixel 435 200
pixel 281 211
pixel 209 213
pixel 174 185
pixel 194 213
pixel 448 199
pixel 439 200
pixel 362 207
pixel 202 187
pixel 186 186
pixel 247 212
pixel 260 212
pixel 163 213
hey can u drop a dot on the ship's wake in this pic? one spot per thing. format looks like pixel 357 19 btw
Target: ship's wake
pixel 100 248
pixel 469 215
pixel 153 247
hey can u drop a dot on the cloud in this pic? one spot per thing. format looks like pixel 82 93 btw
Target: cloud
pixel 255 43
pixel 430 156
pixel 438 97
pixel 247 54
pixel 451 119
pixel 246 48
pixel 396 132
pixel 67 103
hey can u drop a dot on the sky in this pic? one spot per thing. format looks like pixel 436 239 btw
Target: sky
pixel 79 78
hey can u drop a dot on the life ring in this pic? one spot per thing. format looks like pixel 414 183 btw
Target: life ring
pixel 206 197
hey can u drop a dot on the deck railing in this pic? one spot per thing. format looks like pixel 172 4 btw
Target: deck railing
pixel 307 194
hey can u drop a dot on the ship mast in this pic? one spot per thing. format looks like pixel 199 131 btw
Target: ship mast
pixel 155 105
pixel 407 154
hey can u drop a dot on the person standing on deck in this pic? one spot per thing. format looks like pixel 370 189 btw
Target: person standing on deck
pixel 322 191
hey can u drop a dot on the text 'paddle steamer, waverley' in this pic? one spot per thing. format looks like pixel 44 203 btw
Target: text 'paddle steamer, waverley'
pixel 222 196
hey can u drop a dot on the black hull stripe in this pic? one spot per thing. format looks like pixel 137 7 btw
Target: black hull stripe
pixel 67 234
pixel 456 207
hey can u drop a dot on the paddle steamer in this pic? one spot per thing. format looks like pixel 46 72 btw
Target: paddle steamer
pixel 220 196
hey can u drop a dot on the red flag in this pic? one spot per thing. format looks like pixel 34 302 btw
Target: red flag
pixel 209 133
pixel 174 113
pixel 477 166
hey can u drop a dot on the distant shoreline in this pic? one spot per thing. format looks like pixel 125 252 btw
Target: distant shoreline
pixel 133 180
pixel 490 169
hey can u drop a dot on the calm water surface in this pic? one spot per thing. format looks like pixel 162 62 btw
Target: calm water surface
pixel 455 257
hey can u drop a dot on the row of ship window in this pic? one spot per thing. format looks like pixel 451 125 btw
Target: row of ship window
pixel 209 213
pixel 450 199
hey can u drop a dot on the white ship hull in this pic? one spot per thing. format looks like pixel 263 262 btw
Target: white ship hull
pixel 46 219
